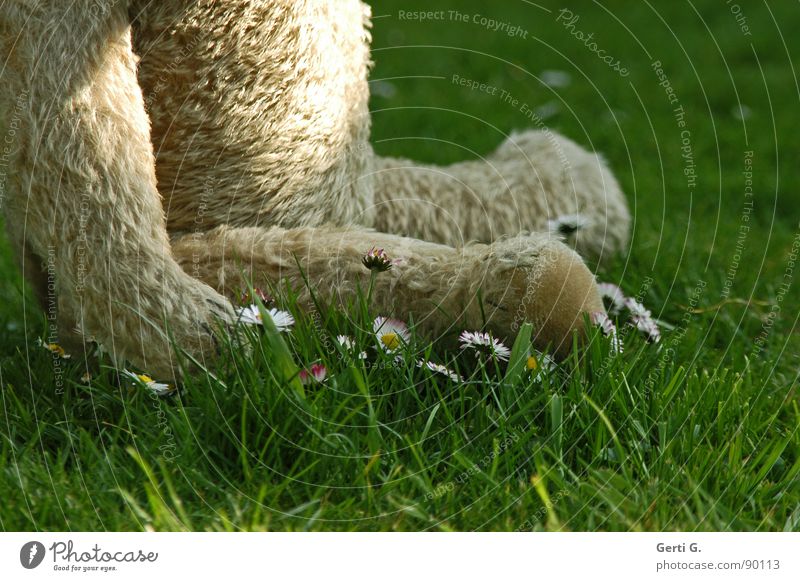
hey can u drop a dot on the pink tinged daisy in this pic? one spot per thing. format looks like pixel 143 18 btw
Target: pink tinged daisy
pixel 642 319
pixel 390 333
pixel 247 297
pixel 647 326
pixel 316 374
pixel 484 343
pixel 567 224
pixel 604 322
pixel 636 308
pixel 151 384
pixel 55 349
pixel 612 296
pixel 377 259
pixel 609 329
pixel 441 370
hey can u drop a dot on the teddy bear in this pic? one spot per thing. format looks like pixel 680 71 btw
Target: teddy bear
pixel 166 153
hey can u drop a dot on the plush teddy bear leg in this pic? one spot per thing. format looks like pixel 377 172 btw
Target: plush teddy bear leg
pixel 533 179
pixel 83 190
pixel 258 109
pixel 528 278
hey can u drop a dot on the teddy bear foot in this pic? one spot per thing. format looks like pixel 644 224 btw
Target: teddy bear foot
pixel 545 283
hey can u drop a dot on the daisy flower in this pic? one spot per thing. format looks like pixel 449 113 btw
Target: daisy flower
pixel 283 320
pixel 613 296
pixel 349 345
pixel 441 370
pixel 316 374
pixel 642 319
pixel 647 326
pixel 390 333
pixel 377 259
pixel 251 315
pixel 604 322
pixel 556 79
pixel 484 343
pixel 150 383
pixel 636 308
pixel 55 349
pixel 609 329
pixel 346 342
pixel 567 224
pixel 539 364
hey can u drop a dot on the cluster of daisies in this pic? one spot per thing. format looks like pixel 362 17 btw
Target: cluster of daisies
pixel 618 304
pixel 392 335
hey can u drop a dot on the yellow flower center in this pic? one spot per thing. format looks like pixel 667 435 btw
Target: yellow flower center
pixel 56 349
pixel 391 340
pixel 146 379
pixel 531 363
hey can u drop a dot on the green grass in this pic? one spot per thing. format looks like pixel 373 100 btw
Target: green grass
pixel 699 433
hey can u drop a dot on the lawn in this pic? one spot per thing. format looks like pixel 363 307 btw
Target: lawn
pixel 695 106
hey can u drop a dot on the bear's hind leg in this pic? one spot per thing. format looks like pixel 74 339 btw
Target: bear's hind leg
pixel 522 279
pixel 536 181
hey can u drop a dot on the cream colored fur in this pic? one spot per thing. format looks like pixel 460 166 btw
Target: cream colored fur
pixel 241 140
pixel 532 178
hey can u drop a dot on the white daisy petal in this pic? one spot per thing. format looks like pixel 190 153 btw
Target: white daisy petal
pixel 636 308
pixel 556 79
pixel 604 322
pixel 609 330
pixel 540 365
pixel 441 370
pixel 150 383
pixel 160 388
pixel 484 343
pixel 390 333
pixel 647 326
pixel 249 315
pixel 346 342
pixel 613 296
pixel 350 345
pixel 283 320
